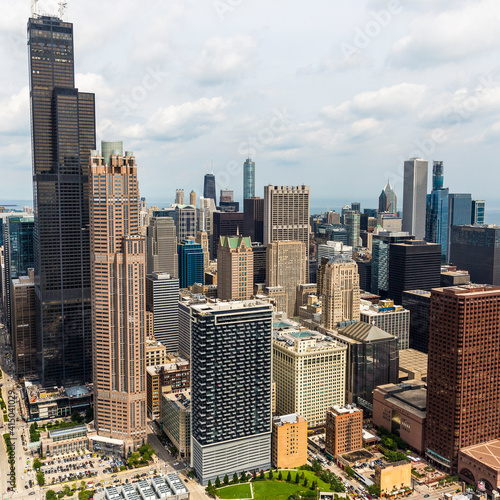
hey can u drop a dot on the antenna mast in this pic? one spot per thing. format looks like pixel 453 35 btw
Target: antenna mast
pixel 62 9
pixel 34 8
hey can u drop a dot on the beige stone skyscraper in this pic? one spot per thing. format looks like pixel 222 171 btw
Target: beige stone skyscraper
pixel 235 268
pixel 286 266
pixel 286 214
pixel 340 291
pixel 161 246
pixel 118 270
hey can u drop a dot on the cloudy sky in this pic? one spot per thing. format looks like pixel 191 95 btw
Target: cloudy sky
pixel 329 93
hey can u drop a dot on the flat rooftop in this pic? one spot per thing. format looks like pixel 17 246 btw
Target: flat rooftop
pixel 343 410
pixel 235 305
pixel 293 418
pixel 487 453
pixel 413 360
pixel 358 455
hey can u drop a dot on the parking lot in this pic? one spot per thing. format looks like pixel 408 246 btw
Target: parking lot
pixel 77 467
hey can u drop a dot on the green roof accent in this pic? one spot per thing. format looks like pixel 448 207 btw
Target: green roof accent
pixel 235 242
pixel 301 335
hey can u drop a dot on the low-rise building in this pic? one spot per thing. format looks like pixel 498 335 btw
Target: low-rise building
pixel 175 420
pixel 156 353
pixel 401 409
pixel 412 365
pixel 63 441
pixel 344 430
pixel 393 478
pixel 55 402
pixel 481 463
pixel 391 318
pixel 171 377
pixel 289 441
pixel 209 291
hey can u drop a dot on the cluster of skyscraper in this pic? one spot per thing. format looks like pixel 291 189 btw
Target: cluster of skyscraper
pixel 95 274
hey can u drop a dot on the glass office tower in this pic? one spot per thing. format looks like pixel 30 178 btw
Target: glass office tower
pixel 209 187
pixel 248 179
pixel 63 133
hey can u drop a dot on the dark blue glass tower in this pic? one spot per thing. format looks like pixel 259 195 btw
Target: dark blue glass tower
pixel 191 266
pixel 209 187
pixel 18 254
pixel 436 224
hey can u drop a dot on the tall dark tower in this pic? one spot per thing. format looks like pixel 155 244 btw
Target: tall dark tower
pixel 62 135
pixel 209 187
pixel 248 179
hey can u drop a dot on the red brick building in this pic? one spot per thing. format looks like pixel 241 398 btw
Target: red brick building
pixel 463 383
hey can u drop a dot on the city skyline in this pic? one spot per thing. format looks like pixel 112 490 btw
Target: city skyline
pixel 210 97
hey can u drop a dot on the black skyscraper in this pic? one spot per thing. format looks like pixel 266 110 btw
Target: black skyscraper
pixel 63 134
pixel 413 265
pixel 209 187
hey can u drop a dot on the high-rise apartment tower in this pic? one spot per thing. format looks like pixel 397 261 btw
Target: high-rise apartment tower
pixel 414 196
pixel 118 264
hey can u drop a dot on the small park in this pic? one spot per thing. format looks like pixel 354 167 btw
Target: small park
pixel 281 484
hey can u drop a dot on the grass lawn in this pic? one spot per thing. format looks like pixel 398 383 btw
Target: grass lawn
pixel 235 491
pixel 275 490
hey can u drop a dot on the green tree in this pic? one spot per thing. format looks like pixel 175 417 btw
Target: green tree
pixel 305 481
pixel 302 476
pixel 89 414
pixel 297 479
pixel 243 477
pixel 40 479
pixel 270 475
pixel 314 485
pixel 374 490
pixel 289 476
pixel 76 417
pixel 235 478
pixel 350 471
pixel 209 484
pixel 226 479
pixel 280 476
pixel 316 466
pixel 83 485
pixel 262 475
pixel 66 490
pixel 217 482
pixel 84 495
pixel 50 495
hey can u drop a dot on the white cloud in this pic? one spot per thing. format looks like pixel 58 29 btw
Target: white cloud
pixel 225 59
pixel 468 29
pixel 14 113
pixel 183 122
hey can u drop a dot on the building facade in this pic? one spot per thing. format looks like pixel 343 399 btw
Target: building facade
pixel 310 372
pixel 413 265
pixel 162 298
pixel 118 265
pixel 231 358
pixel 388 201
pixel 418 302
pixel 415 197
pixel 391 318
pixel 225 224
pixel 249 180
pixel 286 214
pixel 191 260
pixel 23 325
pixel 352 223
pixel 185 222
pixel 175 420
pixel 253 219
pixel 463 371
pixel 235 268
pixel 209 187
pixel 341 293
pixel 286 263
pixel 401 409
pixel 289 441
pixel 344 430
pixel 478 212
pixel 477 250
pixel 62 136
pixel 161 245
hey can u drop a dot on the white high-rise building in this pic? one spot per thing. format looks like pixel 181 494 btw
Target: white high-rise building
pixel 415 197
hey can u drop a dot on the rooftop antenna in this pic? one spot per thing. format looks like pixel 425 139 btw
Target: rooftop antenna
pixel 62 9
pixel 34 8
